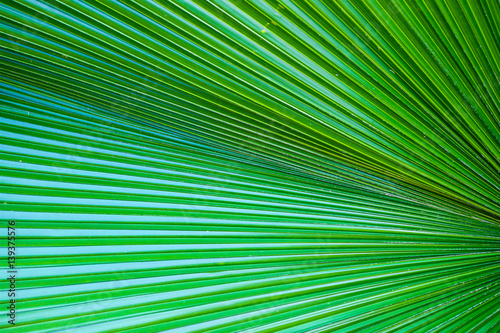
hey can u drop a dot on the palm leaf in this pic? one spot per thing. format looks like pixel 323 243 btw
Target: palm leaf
pixel 252 166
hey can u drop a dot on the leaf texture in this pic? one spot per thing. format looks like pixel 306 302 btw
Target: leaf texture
pixel 252 165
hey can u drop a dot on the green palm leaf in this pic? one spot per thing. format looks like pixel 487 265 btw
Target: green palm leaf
pixel 251 165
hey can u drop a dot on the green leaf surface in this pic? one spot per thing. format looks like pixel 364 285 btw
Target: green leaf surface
pixel 251 165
